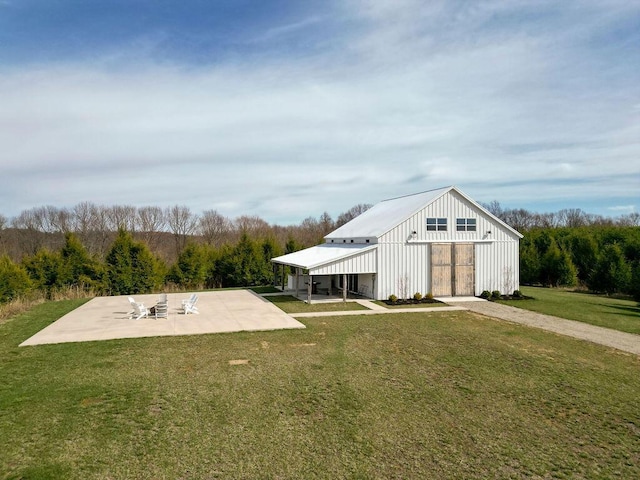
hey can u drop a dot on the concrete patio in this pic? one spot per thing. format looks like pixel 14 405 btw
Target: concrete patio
pixel 106 318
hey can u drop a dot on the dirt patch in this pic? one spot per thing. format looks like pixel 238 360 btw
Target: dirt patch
pixel 238 362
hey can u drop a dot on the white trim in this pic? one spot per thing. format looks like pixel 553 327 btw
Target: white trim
pixel 323 254
pixel 453 240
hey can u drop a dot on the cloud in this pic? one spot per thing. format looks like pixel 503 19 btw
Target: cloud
pixel 505 102
pixel 623 208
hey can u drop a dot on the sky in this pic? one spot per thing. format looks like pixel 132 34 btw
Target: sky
pixel 286 109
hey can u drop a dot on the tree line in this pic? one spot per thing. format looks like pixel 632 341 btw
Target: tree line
pixel 572 248
pixel 128 250
pixel 165 231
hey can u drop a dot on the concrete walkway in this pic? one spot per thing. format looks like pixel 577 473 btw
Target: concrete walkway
pixel 375 309
pixel 626 342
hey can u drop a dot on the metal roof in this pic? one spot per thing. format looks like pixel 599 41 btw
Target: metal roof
pixel 385 215
pixel 321 254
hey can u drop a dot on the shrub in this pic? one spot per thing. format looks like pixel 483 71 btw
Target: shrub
pixel 393 298
pixel 517 294
pixel 496 295
pixel 417 296
pixel 486 294
pixel 428 296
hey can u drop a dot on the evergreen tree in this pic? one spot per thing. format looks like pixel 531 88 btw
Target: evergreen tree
pixel 14 280
pixel 189 271
pixel 557 269
pixel 634 287
pixel 612 273
pixel 77 267
pixel 130 266
pixel 584 253
pixel 44 270
pixel 529 262
pixel 269 250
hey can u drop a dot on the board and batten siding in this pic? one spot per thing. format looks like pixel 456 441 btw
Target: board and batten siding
pixel 450 206
pixel 402 266
pixel 404 258
pixel 497 267
pixel 365 262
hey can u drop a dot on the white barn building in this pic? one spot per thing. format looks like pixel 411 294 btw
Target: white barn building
pixel 439 242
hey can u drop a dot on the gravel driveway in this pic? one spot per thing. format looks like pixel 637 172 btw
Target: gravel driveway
pixel 627 342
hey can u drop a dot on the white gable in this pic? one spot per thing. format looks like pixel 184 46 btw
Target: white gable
pixel 390 214
pixel 385 215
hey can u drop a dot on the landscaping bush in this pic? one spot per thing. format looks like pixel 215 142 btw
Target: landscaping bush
pixel 496 295
pixel 417 296
pixel 517 294
pixel 486 294
pixel 393 298
pixel 428 297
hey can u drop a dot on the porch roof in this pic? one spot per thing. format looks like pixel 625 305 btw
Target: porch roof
pixel 321 255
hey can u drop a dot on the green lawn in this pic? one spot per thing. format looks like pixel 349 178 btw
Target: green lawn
pixel 408 395
pixel 290 304
pixel 601 310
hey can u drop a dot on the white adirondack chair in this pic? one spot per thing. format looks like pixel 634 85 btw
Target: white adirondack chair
pixel 189 306
pixel 139 310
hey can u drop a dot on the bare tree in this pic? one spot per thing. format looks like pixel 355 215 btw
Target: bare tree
pixel 520 219
pixel 182 224
pixel 252 225
pixel 572 217
pixel 53 219
pixel 150 221
pixel 632 219
pixel 326 223
pixel 28 224
pixel 352 213
pixel 403 287
pixel 92 223
pixel 82 218
pixel 3 224
pixel 545 220
pixel 214 227
pixel 122 216
pixel 494 208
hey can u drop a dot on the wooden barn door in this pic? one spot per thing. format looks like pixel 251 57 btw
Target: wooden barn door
pixel 452 269
pixel 441 268
pixel 463 274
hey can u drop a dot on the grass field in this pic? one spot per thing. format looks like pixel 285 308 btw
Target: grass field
pixel 290 304
pixel 439 395
pixel 619 314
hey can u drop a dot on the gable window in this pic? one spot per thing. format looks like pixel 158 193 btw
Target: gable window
pixel 466 224
pixel 437 224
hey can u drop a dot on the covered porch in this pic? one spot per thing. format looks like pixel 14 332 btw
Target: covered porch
pixel 327 272
pixel 323 288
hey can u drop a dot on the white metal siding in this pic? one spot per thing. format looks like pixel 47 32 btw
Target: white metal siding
pixel 496 254
pixel 450 206
pixel 363 263
pixel 497 267
pixel 402 263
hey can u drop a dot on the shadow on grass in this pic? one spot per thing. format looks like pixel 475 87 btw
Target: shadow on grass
pixel 626 310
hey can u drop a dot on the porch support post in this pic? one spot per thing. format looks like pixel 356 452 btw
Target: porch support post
pixel 297 281
pixel 309 287
pixel 284 272
pixel 275 274
pixel 344 287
